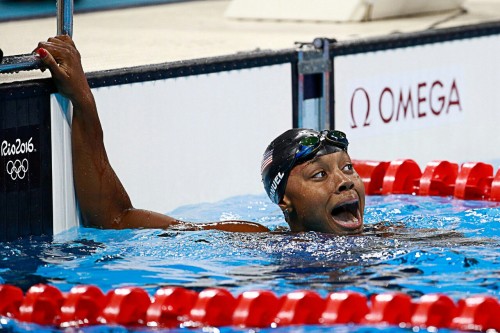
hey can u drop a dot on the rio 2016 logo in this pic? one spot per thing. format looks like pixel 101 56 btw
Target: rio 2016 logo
pixel 17 168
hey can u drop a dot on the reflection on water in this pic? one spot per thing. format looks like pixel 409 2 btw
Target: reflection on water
pixel 411 244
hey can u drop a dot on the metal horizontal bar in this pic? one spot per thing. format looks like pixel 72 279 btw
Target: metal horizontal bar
pixel 23 62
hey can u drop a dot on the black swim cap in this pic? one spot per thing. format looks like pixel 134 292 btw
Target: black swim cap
pixel 291 148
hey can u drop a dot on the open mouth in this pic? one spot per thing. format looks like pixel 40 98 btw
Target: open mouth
pixel 347 215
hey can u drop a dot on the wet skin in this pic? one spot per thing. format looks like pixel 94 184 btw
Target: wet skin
pixel 325 194
pixel 103 201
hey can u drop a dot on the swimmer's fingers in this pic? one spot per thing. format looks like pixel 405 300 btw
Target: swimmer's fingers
pixel 49 61
pixel 63 39
pixel 62 52
pixel 63 60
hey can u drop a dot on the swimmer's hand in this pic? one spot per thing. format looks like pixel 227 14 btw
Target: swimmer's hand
pixel 60 56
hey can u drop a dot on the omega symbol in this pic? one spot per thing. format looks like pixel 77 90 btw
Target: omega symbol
pixel 17 169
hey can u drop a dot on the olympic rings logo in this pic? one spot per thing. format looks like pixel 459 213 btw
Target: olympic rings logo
pixel 17 169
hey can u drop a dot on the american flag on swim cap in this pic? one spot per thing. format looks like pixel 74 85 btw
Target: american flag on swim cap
pixel 266 160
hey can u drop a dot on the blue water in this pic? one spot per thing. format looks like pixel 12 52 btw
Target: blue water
pixel 416 245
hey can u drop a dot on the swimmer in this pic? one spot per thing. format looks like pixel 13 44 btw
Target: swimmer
pixel 308 174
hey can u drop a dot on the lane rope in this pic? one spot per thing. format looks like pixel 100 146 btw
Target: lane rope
pixel 174 307
pixel 470 181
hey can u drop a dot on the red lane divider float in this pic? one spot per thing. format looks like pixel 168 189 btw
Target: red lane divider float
pixel 41 305
pixel 471 181
pixel 10 300
pixel 174 307
pixel 300 307
pixel 170 306
pixel 82 306
pixel 213 307
pixel 256 309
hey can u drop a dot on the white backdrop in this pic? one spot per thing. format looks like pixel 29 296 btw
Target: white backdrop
pixel 437 101
pixel 194 139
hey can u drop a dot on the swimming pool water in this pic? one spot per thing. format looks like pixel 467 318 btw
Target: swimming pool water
pixel 416 245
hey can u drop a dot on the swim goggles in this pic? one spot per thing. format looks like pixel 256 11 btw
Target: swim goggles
pixel 311 144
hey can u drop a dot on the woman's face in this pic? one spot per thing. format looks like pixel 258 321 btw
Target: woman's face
pixel 325 194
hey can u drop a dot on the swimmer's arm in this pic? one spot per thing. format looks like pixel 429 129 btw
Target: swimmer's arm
pixel 139 218
pixel 103 200
pixel 234 226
